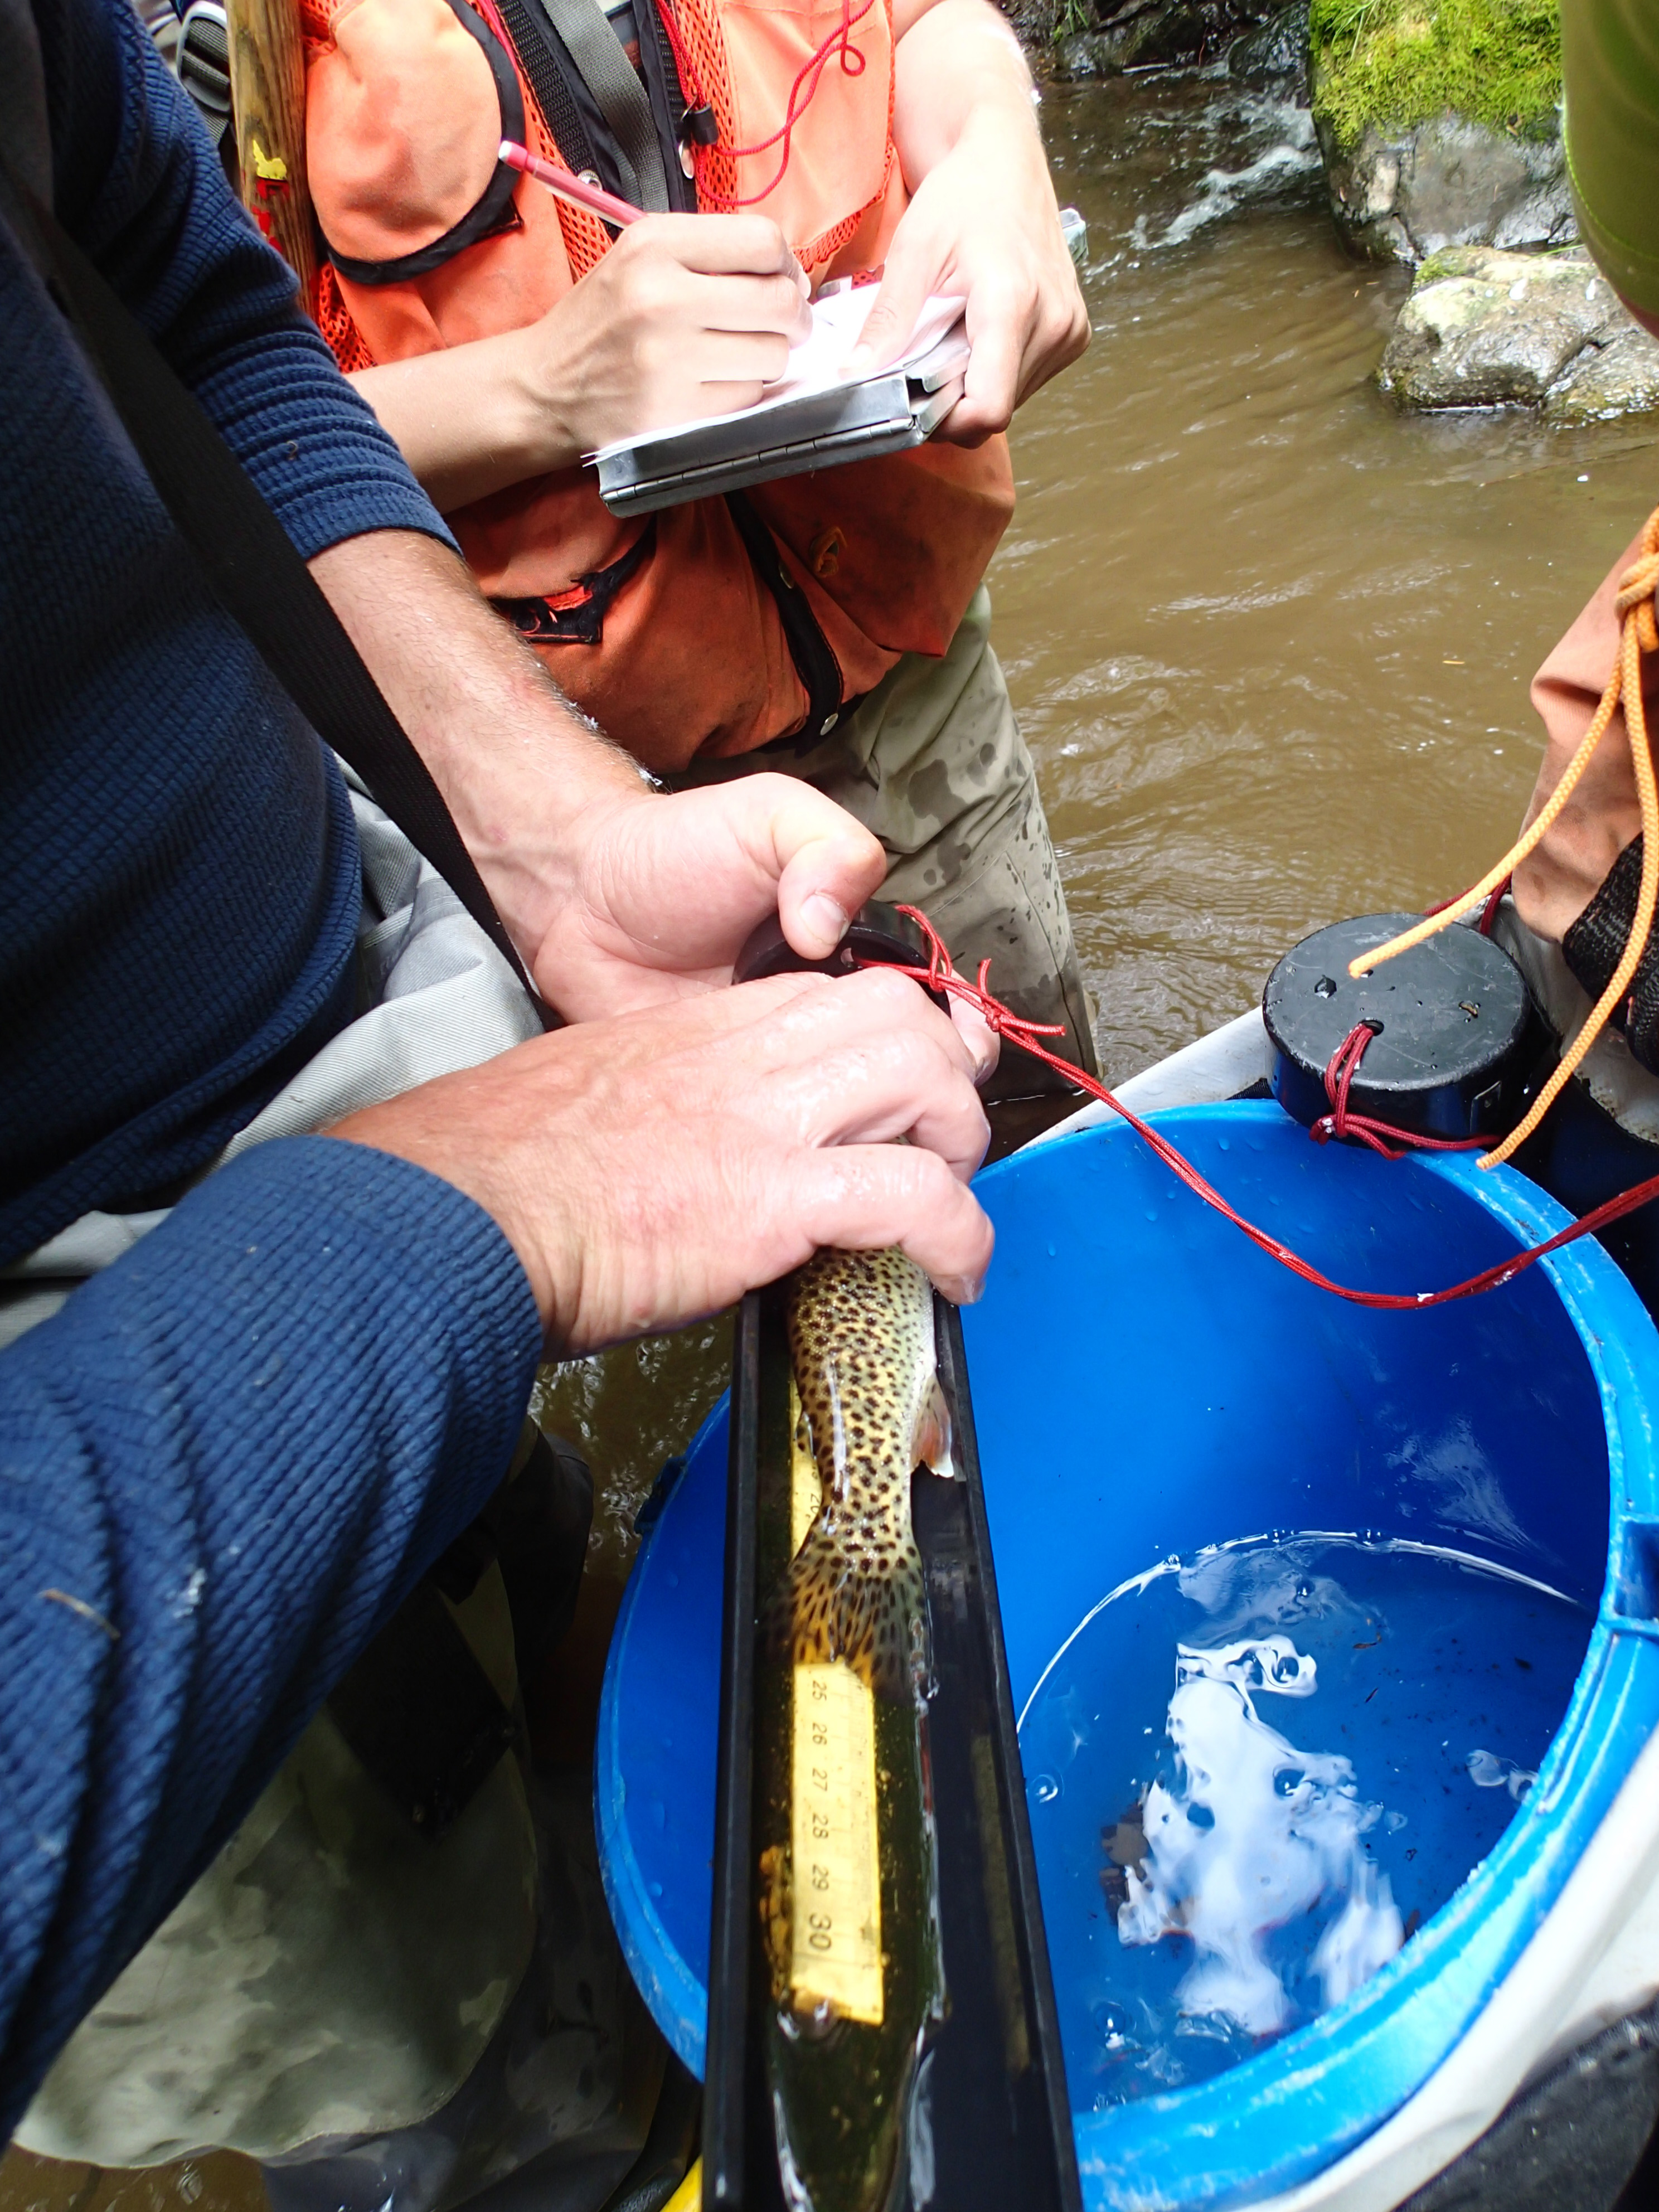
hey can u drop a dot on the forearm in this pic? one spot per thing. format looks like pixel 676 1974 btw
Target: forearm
pixel 519 769
pixel 231 1455
pixel 958 72
pixel 982 223
pixel 686 315
pixel 618 896
pixel 472 419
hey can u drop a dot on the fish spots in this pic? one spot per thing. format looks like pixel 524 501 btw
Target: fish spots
pixel 862 1344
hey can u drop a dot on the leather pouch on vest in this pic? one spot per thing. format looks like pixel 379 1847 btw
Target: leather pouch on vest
pixel 1595 942
pixel 418 1708
pixel 900 544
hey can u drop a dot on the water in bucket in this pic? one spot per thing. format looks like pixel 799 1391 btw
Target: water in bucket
pixel 1252 1774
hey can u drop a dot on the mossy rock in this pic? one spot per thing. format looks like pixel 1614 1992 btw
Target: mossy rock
pixel 1484 328
pixel 1439 122
pixel 1387 65
pixel 1451 261
pixel 1488 329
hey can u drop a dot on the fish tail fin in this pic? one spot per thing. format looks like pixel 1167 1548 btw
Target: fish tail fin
pixel 871 1614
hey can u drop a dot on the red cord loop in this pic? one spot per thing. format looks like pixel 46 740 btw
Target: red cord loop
pixel 839 45
pixel 1488 912
pixel 1382 1136
pixel 939 976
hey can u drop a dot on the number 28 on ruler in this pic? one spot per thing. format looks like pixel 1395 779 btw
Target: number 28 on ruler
pixel 836 1946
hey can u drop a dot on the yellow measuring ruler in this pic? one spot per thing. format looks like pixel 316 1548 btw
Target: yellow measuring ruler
pixel 835 1947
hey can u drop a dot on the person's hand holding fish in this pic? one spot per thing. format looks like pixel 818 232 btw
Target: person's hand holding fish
pixel 649 1169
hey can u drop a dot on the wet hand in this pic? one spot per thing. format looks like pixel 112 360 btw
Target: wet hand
pixel 984 225
pixel 649 1169
pixel 666 890
pixel 686 315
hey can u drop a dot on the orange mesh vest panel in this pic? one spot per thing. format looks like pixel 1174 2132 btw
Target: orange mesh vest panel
pixel 667 630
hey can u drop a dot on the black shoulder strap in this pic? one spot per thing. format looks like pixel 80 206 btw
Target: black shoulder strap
pixel 668 111
pixel 554 95
pixel 814 656
pixel 253 565
pixel 596 53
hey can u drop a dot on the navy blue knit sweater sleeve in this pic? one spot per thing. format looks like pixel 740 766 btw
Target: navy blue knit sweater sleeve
pixel 138 182
pixel 222 1466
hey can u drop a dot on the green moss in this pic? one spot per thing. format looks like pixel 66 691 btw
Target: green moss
pixel 1396 62
pixel 1450 261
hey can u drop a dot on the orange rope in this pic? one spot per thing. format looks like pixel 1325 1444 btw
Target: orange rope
pixel 1640 634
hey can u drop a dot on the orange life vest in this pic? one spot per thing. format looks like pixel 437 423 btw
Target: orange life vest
pixel 724 625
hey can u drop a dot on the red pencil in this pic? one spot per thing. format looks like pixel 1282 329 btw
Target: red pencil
pixel 566 186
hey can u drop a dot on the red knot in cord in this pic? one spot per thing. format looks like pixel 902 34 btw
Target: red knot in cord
pixel 1382 1136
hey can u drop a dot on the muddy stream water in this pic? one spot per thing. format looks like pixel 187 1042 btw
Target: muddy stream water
pixel 1270 642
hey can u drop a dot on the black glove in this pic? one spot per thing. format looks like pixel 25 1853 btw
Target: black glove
pixel 1595 942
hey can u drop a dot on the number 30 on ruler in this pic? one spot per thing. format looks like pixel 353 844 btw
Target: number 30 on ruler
pixel 836 1946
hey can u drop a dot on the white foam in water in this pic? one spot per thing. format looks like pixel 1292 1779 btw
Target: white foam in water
pixel 1253 1833
pixel 1488 1771
pixel 1221 191
pixel 1208 1884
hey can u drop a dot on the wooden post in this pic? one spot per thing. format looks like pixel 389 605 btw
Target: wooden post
pixel 268 101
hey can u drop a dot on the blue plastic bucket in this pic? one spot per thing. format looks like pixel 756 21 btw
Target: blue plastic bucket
pixel 1146 1383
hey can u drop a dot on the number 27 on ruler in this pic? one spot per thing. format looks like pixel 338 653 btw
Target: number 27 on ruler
pixel 836 1946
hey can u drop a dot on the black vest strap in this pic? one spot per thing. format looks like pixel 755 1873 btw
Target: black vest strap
pixel 596 53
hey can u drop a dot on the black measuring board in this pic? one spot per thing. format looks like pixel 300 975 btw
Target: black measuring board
pixel 989 2123
pixel 733 2044
pixel 991 2090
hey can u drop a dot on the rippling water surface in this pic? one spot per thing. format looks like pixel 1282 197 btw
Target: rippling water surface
pixel 1270 640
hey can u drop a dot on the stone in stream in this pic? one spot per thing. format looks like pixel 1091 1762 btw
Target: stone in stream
pixel 1439 124
pixel 1103 38
pixel 1273 57
pixel 1398 195
pixel 1484 328
pixel 1619 378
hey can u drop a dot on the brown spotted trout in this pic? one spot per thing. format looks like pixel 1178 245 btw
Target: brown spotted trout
pixel 848 1885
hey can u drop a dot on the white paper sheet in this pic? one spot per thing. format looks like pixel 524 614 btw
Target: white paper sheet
pixel 819 363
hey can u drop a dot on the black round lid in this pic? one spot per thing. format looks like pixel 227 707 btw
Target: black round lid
pixel 1447 1010
pixel 877 931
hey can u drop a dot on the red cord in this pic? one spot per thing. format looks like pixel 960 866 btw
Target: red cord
pixel 854 63
pixel 1342 1067
pixel 1488 912
pixel 1382 1136
pixel 939 976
